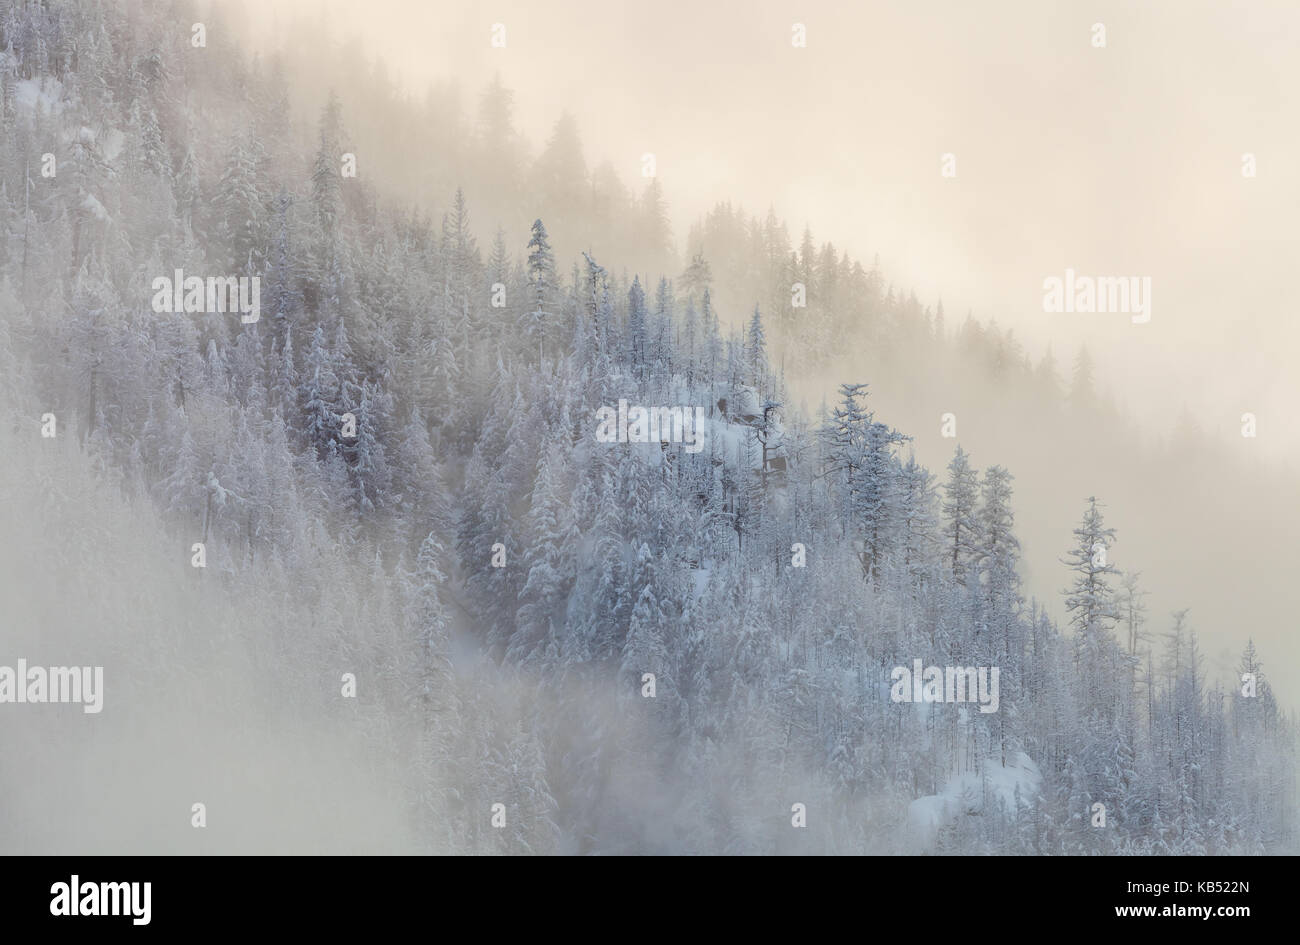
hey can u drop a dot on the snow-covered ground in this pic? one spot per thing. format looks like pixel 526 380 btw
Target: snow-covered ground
pixel 972 793
pixel 41 94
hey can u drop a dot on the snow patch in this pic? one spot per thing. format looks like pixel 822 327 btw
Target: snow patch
pixel 974 794
pixel 41 94
pixel 95 208
pixel 113 143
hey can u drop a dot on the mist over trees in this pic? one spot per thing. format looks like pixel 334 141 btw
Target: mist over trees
pixel 502 585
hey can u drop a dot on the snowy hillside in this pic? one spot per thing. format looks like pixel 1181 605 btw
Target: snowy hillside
pixel 395 473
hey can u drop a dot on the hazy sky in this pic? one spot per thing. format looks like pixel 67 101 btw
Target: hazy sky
pixel 1117 161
